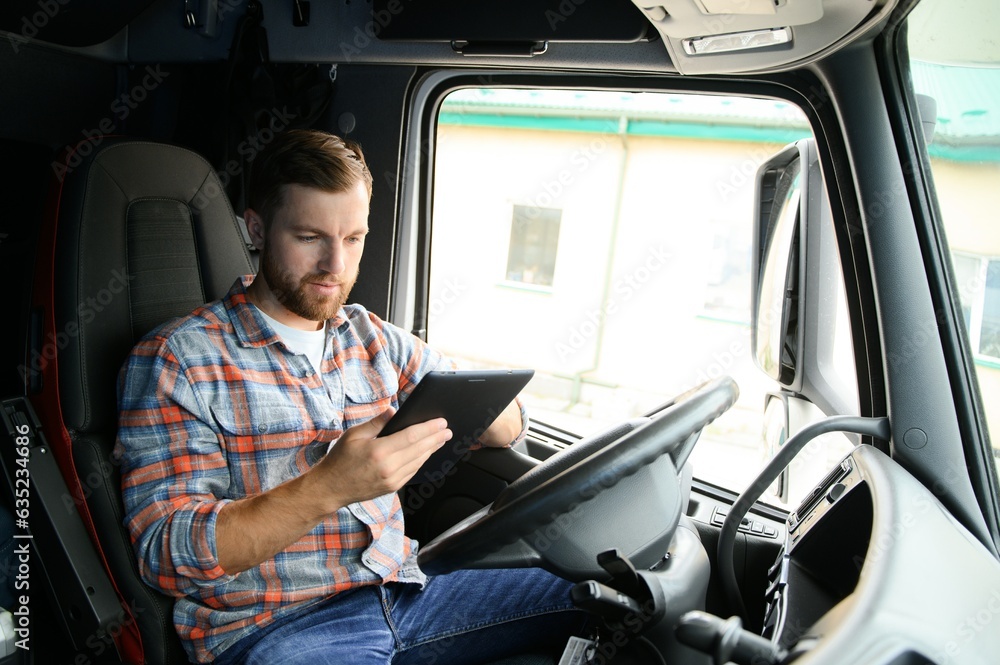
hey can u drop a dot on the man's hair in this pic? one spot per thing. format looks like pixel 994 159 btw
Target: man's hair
pixel 306 157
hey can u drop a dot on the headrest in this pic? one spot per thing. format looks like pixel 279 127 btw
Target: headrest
pixel 144 233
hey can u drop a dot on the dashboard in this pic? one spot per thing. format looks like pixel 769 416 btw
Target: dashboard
pixel 875 570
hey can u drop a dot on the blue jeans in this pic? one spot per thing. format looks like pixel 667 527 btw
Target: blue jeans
pixel 469 616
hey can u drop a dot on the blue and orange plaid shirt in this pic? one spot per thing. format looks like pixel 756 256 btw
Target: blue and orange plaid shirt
pixel 214 408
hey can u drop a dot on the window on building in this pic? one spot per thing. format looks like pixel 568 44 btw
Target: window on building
pixel 534 240
pixel 979 289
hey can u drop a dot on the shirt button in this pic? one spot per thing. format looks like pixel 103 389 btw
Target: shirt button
pixel 261 428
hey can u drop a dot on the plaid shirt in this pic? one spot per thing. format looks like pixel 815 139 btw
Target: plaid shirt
pixel 215 408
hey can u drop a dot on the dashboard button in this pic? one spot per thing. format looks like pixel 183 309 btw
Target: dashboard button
pixel 836 492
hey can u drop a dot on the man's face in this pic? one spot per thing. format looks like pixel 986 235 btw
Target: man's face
pixel 310 255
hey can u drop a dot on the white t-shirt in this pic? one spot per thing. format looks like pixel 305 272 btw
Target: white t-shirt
pixel 310 343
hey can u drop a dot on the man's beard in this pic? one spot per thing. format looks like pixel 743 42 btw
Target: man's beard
pixel 295 296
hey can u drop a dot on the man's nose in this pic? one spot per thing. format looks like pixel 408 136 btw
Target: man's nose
pixel 332 261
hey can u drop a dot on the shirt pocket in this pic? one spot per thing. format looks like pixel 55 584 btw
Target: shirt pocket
pixel 258 419
pixel 266 444
pixel 369 390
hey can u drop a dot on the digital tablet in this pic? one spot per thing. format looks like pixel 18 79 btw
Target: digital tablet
pixel 470 400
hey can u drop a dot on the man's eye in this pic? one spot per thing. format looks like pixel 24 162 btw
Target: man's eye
pixel 308 239
pixel 354 240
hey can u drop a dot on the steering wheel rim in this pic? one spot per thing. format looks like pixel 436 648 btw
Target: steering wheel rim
pixel 498 536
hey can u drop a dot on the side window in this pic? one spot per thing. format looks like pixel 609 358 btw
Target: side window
pixel 956 63
pixel 603 239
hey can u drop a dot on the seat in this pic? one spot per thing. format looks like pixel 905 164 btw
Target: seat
pixel 136 233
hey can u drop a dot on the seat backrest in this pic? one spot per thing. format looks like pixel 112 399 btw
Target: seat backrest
pixel 136 233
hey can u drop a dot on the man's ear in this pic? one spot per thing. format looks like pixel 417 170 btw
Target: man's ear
pixel 255 227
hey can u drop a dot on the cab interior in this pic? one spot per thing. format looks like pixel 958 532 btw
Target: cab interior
pixel 128 128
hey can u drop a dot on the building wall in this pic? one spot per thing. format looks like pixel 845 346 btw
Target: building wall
pixel 643 212
pixel 664 201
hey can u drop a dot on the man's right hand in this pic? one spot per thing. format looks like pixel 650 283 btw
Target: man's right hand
pixel 358 467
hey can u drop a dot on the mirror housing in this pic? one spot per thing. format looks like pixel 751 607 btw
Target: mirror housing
pixel 786 186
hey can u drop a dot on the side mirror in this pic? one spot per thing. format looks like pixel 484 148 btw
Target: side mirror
pixel 785 415
pixel 783 187
pixel 800 327
pixel 775 433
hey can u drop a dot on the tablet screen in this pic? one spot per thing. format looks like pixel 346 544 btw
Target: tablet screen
pixel 470 400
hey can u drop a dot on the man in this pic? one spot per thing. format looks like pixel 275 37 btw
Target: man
pixel 255 490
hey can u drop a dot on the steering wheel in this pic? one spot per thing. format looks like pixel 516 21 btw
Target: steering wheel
pixel 618 490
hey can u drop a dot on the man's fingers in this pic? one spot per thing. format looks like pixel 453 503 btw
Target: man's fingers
pixel 416 434
pixel 419 441
pixel 373 427
pixel 409 468
pixel 384 464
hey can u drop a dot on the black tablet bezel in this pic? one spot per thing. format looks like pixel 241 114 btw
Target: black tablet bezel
pixel 470 400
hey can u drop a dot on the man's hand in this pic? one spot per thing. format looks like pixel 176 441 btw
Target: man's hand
pixel 358 467
pixel 361 467
pixel 504 429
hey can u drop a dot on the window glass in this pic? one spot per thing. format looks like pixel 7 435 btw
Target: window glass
pixel 955 61
pixel 603 239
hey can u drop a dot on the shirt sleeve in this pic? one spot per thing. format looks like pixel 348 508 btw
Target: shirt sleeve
pixel 173 472
pixel 524 424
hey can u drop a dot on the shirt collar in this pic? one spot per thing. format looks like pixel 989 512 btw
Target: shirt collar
pixel 250 326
